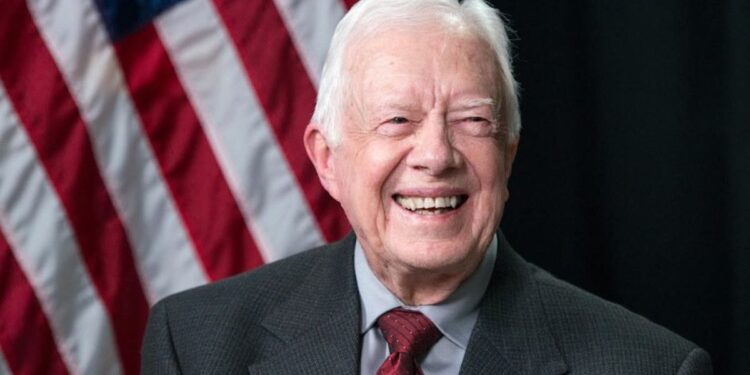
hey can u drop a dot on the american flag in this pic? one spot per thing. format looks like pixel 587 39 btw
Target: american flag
pixel 146 147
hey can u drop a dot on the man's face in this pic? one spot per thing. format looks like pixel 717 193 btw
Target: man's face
pixel 422 168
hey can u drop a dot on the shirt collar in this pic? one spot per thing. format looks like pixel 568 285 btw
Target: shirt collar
pixel 454 317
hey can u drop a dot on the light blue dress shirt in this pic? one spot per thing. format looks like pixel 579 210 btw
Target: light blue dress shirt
pixel 455 317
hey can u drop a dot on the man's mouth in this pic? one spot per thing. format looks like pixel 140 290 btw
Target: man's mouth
pixel 430 205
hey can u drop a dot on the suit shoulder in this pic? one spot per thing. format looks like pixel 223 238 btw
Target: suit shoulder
pixel 219 327
pixel 587 326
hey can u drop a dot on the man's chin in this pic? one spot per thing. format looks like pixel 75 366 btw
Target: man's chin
pixel 438 257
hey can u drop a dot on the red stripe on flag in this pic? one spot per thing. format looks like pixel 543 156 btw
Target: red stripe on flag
pixel 286 94
pixel 349 3
pixel 202 195
pixel 25 336
pixel 55 127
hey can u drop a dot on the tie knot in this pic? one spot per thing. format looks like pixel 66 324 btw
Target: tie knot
pixel 408 331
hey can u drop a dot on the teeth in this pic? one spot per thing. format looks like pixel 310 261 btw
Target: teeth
pixel 429 203
pixel 419 203
pixel 441 202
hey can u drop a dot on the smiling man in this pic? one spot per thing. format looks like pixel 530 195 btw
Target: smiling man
pixel 414 133
pixel 423 157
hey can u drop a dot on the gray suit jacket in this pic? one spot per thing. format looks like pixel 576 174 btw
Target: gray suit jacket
pixel 301 315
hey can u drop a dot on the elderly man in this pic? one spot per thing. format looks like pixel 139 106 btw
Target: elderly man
pixel 414 133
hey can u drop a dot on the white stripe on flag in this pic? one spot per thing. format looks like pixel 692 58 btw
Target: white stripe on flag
pixel 44 244
pixel 235 124
pixel 4 370
pixel 164 255
pixel 311 25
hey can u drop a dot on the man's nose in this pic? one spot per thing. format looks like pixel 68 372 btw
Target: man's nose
pixel 433 150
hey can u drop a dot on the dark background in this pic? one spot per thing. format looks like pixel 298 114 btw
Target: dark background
pixel 633 174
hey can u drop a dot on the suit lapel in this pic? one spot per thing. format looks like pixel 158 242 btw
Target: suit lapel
pixel 511 335
pixel 319 322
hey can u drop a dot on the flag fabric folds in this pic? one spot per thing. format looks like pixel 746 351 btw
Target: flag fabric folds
pixel 147 147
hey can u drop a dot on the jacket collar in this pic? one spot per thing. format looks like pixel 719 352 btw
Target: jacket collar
pixel 327 341
pixel 512 335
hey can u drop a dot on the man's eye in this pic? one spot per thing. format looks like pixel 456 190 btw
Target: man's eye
pixel 396 126
pixel 476 126
pixel 398 120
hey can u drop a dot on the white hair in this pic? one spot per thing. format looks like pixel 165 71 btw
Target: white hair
pixel 370 16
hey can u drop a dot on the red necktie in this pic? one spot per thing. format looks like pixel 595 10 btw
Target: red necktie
pixel 409 335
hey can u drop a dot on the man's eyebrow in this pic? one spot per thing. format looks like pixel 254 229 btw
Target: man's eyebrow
pixel 394 103
pixel 473 103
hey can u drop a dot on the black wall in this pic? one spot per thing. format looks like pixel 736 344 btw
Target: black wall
pixel 633 174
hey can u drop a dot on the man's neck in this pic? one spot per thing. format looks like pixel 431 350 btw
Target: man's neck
pixel 417 287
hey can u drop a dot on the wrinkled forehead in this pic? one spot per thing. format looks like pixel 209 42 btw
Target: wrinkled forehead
pixel 408 56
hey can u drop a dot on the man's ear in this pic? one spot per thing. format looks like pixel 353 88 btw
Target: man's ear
pixel 320 152
pixel 510 155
